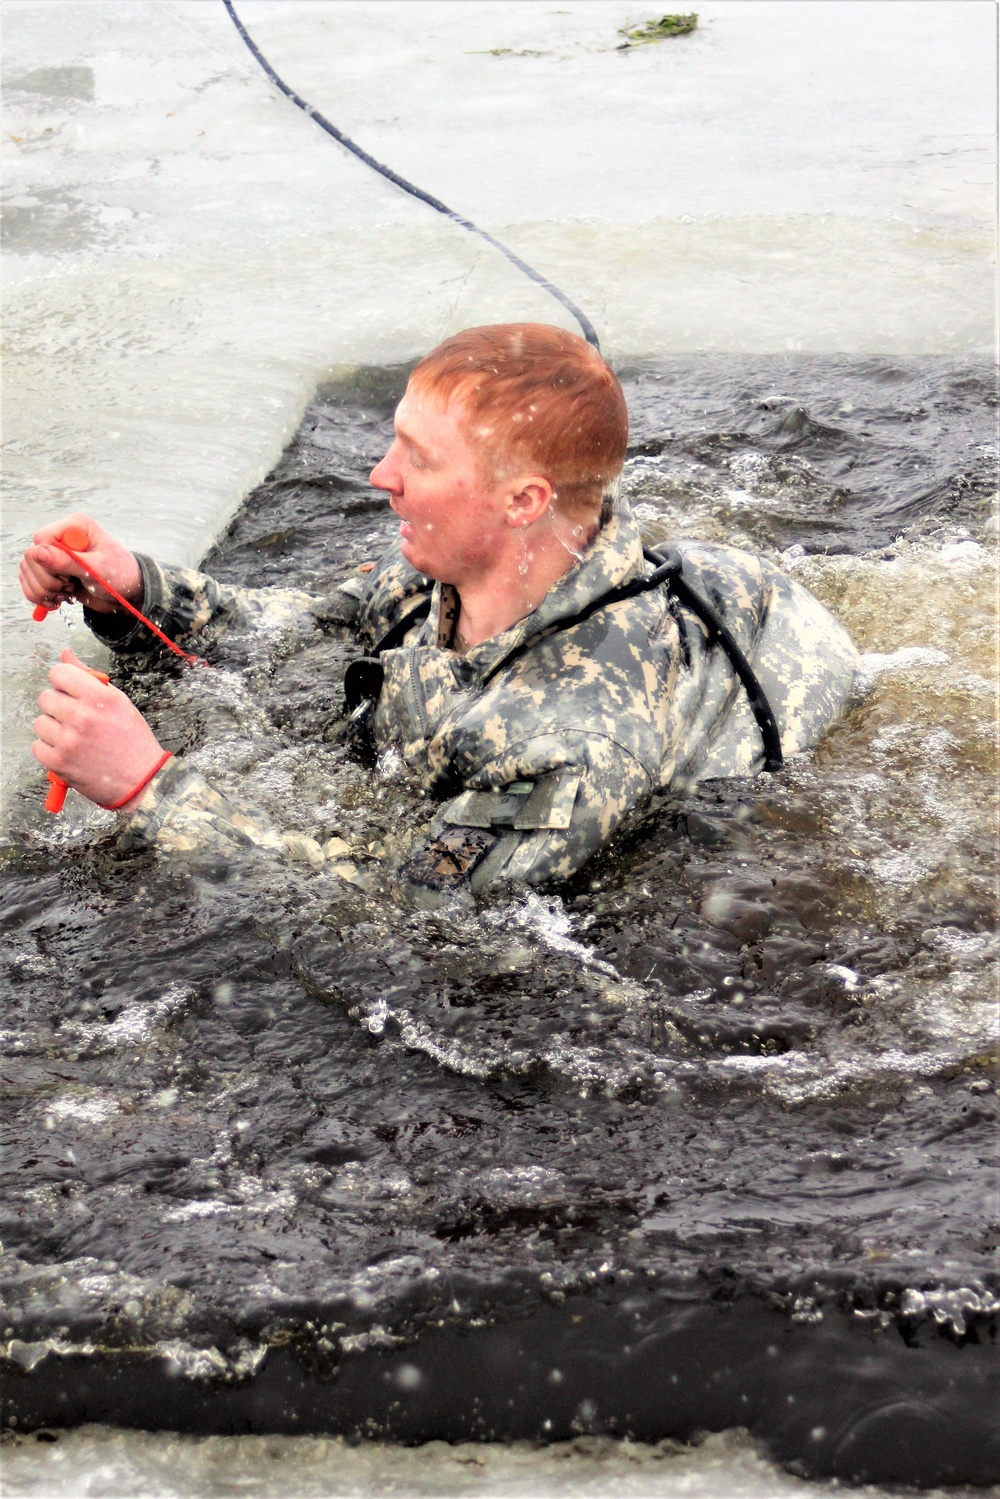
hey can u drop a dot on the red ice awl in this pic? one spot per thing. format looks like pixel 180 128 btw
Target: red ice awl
pixel 75 540
pixel 58 787
pixel 57 793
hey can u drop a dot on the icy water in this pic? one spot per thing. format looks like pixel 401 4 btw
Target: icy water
pixel 748 1050
pixel 746 1058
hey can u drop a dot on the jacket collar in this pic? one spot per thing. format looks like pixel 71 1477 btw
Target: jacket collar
pixel 613 558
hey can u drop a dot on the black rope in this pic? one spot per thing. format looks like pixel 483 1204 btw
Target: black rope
pixel 587 326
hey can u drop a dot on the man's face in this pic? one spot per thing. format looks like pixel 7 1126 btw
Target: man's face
pixel 451 514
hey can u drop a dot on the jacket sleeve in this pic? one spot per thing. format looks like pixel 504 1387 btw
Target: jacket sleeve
pixel 191 607
pixel 181 813
pixel 525 832
pixel 549 805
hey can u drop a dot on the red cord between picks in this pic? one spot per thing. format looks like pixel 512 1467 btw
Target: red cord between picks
pixel 113 806
pixel 56 798
pixel 40 611
pixel 58 788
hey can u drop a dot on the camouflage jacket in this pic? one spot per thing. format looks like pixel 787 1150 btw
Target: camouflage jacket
pixel 542 739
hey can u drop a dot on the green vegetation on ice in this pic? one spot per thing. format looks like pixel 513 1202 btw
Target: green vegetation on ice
pixel 657 31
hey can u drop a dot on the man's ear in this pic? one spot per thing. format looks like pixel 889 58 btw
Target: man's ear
pixel 528 499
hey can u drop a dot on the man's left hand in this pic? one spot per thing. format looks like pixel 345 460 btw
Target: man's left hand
pixel 92 736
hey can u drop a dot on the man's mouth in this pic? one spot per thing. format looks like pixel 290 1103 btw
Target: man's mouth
pixel 406 529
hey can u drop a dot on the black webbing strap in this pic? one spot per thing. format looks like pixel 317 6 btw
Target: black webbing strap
pixel 399 631
pixel 663 573
pixel 719 633
pixel 363 678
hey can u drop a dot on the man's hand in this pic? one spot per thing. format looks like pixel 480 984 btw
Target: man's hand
pixel 92 736
pixel 49 576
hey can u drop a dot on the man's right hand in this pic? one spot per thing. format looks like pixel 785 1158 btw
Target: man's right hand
pixel 49 576
pixel 92 737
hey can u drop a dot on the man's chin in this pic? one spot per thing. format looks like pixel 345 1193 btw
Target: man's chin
pixel 413 557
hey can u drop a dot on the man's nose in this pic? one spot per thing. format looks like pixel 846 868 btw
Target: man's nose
pixel 385 475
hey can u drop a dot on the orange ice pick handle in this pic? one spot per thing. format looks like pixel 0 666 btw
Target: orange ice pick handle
pixel 57 793
pixel 58 788
pixel 77 538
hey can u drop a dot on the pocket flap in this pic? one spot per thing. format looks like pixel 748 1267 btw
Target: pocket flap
pixel 524 806
pixel 485 809
pixel 551 802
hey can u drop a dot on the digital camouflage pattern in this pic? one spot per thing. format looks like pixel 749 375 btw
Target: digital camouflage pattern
pixel 538 765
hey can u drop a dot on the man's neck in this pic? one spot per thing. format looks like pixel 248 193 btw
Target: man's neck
pixel 518 581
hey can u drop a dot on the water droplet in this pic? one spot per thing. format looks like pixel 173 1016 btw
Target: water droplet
pixel 409 1377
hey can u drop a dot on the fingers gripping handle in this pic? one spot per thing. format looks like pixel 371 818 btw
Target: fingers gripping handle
pixel 58 788
pixel 68 542
pixel 73 541
pixel 76 538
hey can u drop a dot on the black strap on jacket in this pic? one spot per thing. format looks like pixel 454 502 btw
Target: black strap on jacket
pixel 363 679
pixel 719 634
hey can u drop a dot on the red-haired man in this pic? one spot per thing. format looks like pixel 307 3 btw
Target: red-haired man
pixel 514 655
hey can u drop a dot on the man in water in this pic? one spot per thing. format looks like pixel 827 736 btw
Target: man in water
pixel 514 660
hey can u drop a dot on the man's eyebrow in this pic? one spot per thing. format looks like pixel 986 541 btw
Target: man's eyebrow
pixel 411 441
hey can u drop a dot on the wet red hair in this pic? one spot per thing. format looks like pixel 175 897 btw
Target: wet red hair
pixel 535 397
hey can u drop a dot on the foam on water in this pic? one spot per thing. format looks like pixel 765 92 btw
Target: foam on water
pixel 98 1461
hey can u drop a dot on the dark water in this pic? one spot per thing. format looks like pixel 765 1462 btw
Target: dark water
pixel 743 1061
